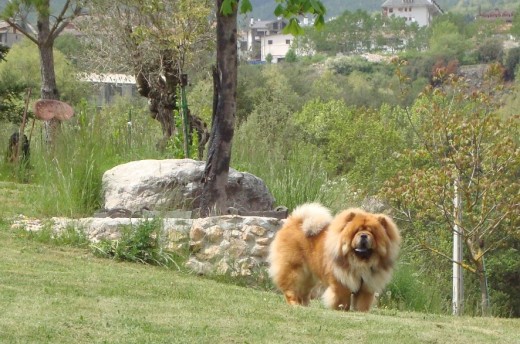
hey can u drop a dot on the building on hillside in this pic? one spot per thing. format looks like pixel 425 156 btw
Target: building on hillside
pixel 496 15
pixel 257 30
pixel 276 45
pixel 110 86
pixel 264 37
pixel 9 35
pixel 414 11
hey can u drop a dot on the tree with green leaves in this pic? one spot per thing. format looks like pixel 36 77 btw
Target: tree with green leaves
pixel 21 71
pixel 156 41
pixel 213 199
pixel 464 151
pixel 447 42
pixel 515 28
pixel 10 95
pixel 48 26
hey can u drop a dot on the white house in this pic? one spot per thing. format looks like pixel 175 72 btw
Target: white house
pixel 110 86
pixel 256 31
pixel 8 34
pixel 276 45
pixel 414 11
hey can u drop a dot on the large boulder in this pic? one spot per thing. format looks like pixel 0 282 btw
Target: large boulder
pixel 163 185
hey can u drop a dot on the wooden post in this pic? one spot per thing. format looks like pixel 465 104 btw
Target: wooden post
pixel 21 131
pixel 184 107
pixel 458 281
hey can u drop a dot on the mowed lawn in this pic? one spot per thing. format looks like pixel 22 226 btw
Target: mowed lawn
pixel 54 294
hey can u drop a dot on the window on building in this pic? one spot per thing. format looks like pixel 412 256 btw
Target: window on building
pixel 269 41
pixel 391 10
pixel 287 41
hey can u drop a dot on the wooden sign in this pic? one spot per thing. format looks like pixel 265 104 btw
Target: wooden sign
pixel 46 109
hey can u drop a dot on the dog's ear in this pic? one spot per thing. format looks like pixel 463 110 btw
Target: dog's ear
pixel 349 216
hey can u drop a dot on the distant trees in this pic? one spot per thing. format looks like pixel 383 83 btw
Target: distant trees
pixel 512 61
pixel 354 32
pixel 10 95
pixel 22 70
pixel 491 50
pixel 48 26
pixel 155 41
pixel 515 28
pixel 464 148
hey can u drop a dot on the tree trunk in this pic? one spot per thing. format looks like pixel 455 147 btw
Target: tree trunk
pixel 213 199
pixel 49 90
pixel 478 260
pixel 162 111
pixel 160 87
pixel 483 289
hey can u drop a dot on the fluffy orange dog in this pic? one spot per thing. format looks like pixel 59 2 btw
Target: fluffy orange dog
pixel 350 254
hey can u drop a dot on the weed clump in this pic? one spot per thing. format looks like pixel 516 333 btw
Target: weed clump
pixel 141 243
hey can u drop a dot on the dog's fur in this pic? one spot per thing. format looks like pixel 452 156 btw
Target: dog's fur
pixel 352 253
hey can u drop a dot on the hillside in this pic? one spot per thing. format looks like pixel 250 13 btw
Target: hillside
pixel 264 8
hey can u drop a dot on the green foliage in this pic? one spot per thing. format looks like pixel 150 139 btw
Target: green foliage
pixel 460 137
pixel 3 51
pixel 285 8
pixel 269 58
pixel 512 62
pixel 70 46
pixel 292 171
pixel 414 288
pixel 142 243
pixel 503 267
pixel 70 236
pixel 290 56
pixel 515 28
pixel 22 70
pixel 353 140
pixel 447 42
pixel 490 50
pixel 347 65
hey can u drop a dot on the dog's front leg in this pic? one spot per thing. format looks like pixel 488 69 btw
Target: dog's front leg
pixel 337 296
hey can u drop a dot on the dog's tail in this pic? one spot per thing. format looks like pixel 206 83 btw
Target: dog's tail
pixel 314 217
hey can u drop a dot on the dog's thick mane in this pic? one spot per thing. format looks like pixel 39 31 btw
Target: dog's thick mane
pixel 314 217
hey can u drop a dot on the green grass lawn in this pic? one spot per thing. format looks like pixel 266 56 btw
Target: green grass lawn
pixel 61 294
pixel 56 294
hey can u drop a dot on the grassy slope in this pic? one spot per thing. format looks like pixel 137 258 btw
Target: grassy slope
pixel 51 294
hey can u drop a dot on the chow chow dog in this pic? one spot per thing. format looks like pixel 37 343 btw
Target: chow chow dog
pixel 351 256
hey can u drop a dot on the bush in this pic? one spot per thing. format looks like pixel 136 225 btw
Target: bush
pixel 490 50
pixel 142 243
pixel 511 63
pixel 291 56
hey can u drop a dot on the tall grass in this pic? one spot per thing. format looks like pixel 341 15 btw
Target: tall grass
pixel 294 173
pixel 69 174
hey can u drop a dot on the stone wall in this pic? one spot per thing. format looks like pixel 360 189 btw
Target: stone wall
pixel 231 244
